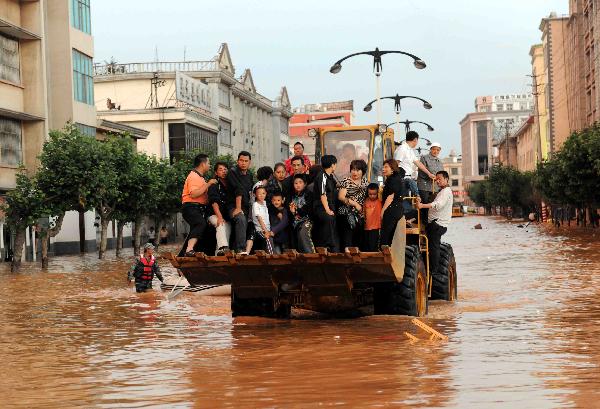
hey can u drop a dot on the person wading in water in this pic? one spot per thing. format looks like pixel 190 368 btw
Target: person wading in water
pixel 144 270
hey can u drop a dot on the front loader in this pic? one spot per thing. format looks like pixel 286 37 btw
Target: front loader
pixel 395 280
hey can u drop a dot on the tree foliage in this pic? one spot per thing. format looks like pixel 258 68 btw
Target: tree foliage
pixel 570 177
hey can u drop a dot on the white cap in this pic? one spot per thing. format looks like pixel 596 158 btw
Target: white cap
pixel 435 145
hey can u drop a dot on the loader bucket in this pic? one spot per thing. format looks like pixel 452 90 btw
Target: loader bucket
pixel 320 274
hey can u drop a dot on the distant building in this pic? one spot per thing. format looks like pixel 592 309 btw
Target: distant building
pixel 494 118
pixel 453 165
pixel 556 51
pixel 319 115
pixel 526 146
pixel 194 105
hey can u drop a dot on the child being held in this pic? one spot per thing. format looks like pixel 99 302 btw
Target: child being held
pixel 278 217
pixel 260 217
pixel 372 209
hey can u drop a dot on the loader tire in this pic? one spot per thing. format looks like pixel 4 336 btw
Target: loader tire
pixel 409 297
pixel 258 307
pixel 444 282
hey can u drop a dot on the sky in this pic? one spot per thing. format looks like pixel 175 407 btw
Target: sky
pixel 471 48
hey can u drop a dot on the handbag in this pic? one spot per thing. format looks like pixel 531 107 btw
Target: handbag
pixel 352 219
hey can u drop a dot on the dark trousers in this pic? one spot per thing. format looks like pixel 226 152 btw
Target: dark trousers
pixel 240 225
pixel 348 237
pixel 143 285
pixel 302 237
pixel 327 236
pixel 371 240
pixel 434 238
pixel 194 215
pixel 426 197
pixel 391 216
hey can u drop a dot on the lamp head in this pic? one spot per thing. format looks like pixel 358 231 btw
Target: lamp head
pixel 368 108
pixel 335 68
pixel 420 64
pixel 427 105
pixel 429 128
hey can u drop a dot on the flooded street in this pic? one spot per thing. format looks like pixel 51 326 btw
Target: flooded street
pixel 525 333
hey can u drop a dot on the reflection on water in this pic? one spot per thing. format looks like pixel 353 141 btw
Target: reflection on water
pixel 523 334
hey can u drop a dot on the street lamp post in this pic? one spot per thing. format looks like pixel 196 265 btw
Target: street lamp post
pixel 377 66
pixel 407 125
pixel 397 105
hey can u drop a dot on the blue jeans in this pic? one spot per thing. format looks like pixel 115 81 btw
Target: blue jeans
pixel 411 186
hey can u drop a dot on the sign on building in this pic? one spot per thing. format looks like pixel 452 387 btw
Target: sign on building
pixel 193 92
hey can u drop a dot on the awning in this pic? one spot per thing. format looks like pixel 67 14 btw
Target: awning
pixel 19 116
pixel 116 127
pixel 17 32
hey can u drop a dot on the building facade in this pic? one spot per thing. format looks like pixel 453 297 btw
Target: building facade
pixel 340 113
pixel 556 54
pixel 527 146
pixel 495 119
pixel 453 165
pixel 46 52
pixel 540 114
pixel 194 105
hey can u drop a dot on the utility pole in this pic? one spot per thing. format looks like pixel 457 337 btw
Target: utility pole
pixel 155 82
pixel 535 92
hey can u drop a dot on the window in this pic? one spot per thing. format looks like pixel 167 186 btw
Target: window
pixel 454 182
pixel 509 107
pixel 9 60
pixel 454 171
pixel 10 142
pixel 225 133
pixel 349 145
pixel 285 151
pixel 83 81
pixel 499 107
pixel 224 96
pixel 86 129
pixel 190 138
pixel 80 15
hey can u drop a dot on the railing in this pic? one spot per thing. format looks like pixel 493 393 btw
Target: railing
pixel 149 67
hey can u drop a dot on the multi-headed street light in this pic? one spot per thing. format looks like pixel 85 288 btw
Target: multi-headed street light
pixel 407 125
pixel 377 67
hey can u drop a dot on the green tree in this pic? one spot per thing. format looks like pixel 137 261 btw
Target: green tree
pixel 69 173
pixel 25 204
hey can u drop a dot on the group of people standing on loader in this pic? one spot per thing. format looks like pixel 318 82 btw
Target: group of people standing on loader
pixel 298 205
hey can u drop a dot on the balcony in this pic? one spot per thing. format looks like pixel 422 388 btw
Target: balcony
pixel 151 67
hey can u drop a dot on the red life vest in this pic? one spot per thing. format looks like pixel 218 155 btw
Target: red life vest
pixel 147 274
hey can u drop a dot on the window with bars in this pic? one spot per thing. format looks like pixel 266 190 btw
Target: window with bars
pixel 83 81
pixel 10 142
pixel 9 60
pixel 80 15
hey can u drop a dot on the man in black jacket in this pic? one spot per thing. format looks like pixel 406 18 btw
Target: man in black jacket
pixel 239 186
pixel 217 198
pixel 325 195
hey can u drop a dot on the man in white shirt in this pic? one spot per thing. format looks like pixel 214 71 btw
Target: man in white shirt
pixel 407 160
pixel 440 213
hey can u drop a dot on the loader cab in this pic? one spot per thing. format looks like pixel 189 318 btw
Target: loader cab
pixel 371 143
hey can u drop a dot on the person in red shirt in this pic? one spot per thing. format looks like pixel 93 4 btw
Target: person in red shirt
pixel 372 209
pixel 298 151
pixel 194 200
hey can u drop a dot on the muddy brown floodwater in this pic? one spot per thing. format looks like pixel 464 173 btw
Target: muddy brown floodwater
pixel 524 334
